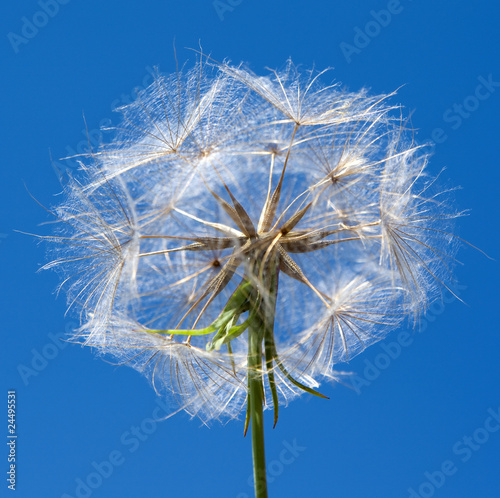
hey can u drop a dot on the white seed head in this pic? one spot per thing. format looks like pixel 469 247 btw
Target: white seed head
pixel 224 188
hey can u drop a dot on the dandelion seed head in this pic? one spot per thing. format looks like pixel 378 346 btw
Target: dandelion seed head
pixel 228 197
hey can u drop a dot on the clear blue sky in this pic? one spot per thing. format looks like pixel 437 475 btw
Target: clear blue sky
pixel 422 420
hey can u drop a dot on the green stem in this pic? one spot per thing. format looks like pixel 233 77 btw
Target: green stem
pixel 256 409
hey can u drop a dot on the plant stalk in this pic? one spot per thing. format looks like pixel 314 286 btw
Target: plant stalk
pixel 260 325
pixel 256 411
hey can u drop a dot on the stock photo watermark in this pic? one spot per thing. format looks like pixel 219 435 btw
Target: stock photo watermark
pixel 11 440
pixel 455 115
pixel 42 356
pixel 276 467
pixel 221 7
pixel 363 36
pixel 31 26
pixel 463 450
pixel 392 350
pixel 130 441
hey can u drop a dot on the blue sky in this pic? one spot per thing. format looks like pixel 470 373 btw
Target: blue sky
pixel 421 419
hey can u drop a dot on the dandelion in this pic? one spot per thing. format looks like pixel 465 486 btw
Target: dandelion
pixel 244 234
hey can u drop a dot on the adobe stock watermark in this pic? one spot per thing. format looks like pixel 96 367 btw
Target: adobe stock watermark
pixel 32 25
pixel 274 468
pixel 223 6
pixel 392 350
pixel 41 357
pixel 93 138
pixel 464 449
pixel 130 441
pixel 363 36
pixel 456 114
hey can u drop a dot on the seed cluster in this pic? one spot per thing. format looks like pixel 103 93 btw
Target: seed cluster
pixel 231 204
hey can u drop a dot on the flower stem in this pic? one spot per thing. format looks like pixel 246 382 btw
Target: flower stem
pixel 256 412
pixel 260 325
